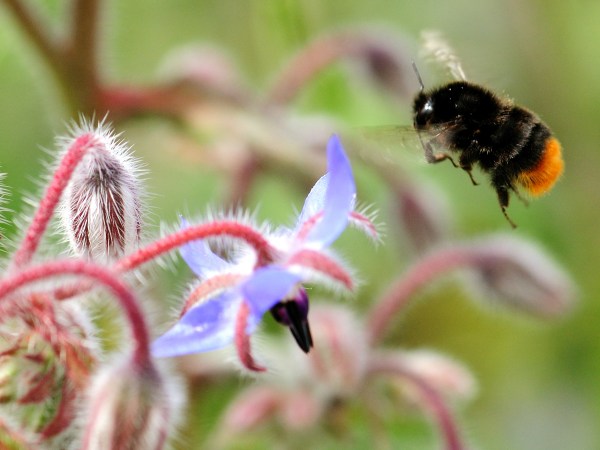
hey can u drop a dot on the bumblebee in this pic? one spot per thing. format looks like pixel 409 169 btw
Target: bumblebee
pixel 508 142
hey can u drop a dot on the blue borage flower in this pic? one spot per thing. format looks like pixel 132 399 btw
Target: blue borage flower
pixel 300 254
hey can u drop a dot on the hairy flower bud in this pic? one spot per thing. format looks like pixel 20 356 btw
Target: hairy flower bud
pixel 129 409
pixel 46 354
pixel 338 362
pixel 518 273
pixel 101 208
pixel 2 199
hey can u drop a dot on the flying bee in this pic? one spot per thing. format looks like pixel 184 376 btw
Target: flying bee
pixel 507 141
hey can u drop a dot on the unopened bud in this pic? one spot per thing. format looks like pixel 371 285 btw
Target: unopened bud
pixel 207 68
pixel 129 409
pixel 101 209
pixel 389 65
pixel 254 407
pixel 46 353
pixel 301 410
pixel 338 362
pixel 516 272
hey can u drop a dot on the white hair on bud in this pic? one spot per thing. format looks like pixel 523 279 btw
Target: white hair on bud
pixel 3 194
pixel 101 209
pixel 138 407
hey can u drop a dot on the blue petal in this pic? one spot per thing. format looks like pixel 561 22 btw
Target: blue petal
pixel 208 326
pixel 339 196
pixel 315 201
pixel 266 287
pixel 199 257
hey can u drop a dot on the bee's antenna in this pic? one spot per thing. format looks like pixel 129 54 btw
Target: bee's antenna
pixel 414 66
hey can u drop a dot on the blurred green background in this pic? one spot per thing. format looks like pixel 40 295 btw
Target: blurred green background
pixel 539 382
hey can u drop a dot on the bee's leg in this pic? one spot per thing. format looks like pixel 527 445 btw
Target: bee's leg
pixel 467 158
pixel 503 198
pixel 520 197
pixel 443 157
pixel 433 158
pixel 469 170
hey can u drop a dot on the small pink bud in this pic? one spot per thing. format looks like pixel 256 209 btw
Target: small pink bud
pixel 101 207
pixel 301 410
pixel 129 409
pixel 447 376
pixel 423 214
pixel 207 68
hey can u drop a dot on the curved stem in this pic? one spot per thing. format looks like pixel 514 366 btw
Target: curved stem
pixel 218 228
pixel 106 277
pixel 47 206
pixel 307 64
pixel 172 241
pixel 433 400
pixel 168 100
pixel 384 60
pixel 400 292
pixel 72 59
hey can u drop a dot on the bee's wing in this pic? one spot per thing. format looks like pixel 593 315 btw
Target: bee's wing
pixel 395 145
pixel 435 47
pixel 388 145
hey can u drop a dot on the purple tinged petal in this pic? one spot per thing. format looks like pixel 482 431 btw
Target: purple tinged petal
pixel 199 257
pixel 267 287
pixel 339 196
pixel 208 326
pixel 211 325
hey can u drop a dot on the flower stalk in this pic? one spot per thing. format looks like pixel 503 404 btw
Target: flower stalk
pixel 252 237
pixel 514 272
pixel 431 398
pixel 106 277
pixel 80 146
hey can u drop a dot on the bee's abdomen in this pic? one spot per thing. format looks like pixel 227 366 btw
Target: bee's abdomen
pixel 540 176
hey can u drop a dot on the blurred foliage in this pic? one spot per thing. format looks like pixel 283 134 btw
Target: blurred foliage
pixel 539 382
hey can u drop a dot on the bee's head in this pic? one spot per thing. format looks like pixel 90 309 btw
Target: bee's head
pixel 423 104
pixel 423 111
